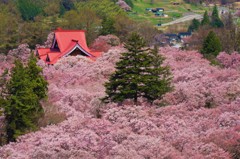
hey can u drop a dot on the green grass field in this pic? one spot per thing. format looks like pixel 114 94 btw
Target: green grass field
pixel 173 11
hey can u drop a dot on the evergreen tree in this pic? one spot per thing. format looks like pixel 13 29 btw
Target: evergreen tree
pixel 66 5
pixel 39 83
pixel 159 80
pixel 107 26
pixel 206 20
pixel 216 21
pixel 21 105
pixel 194 25
pixel 137 75
pixel 29 9
pixel 211 45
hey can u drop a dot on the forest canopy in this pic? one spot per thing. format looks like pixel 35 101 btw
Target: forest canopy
pixel 30 21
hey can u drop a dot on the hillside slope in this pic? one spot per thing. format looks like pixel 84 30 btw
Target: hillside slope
pixel 184 128
pixel 172 11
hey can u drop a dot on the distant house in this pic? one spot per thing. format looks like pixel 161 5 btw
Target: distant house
pixel 184 34
pixel 154 10
pixel 172 37
pixel 148 9
pixel 173 40
pixel 160 9
pixel 66 43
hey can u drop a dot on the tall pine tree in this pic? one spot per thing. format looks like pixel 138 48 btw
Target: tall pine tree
pixel 21 105
pixel 216 21
pixel 211 45
pixel 159 77
pixel 34 72
pixel 29 9
pixel 138 74
pixel 107 26
pixel 206 20
pixel 194 25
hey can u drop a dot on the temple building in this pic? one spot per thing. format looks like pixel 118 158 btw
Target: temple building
pixel 67 43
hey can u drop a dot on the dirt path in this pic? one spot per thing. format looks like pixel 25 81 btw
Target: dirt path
pixel 183 19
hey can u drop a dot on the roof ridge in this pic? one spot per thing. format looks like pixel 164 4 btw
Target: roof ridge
pixel 70 31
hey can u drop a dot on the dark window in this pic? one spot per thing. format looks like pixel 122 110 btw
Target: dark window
pixel 77 51
pixel 56 45
pixel 48 59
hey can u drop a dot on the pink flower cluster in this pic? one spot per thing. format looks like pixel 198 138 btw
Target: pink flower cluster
pixel 200 120
pixel 104 43
pixel 229 60
pixel 22 53
pixel 124 5
pixel 48 42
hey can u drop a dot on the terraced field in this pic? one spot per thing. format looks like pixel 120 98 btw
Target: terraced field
pixel 172 11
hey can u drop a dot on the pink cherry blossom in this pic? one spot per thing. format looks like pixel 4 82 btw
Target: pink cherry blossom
pixel 199 119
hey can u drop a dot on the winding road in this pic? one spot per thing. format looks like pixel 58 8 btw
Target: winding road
pixel 183 19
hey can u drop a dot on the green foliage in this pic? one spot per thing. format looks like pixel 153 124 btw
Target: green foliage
pixel 159 80
pixel 8 32
pixel 34 33
pixel 107 26
pixel 215 12
pixel 42 17
pixel 206 20
pixel 66 5
pixel 211 45
pixel 194 25
pixel 39 83
pixel 103 8
pixel 86 19
pixel 130 3
pixel 21 105
pixel 29 9
pixel 216 21
pixel 138 74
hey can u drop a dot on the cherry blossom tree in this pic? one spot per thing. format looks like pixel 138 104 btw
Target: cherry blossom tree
pixel 200 118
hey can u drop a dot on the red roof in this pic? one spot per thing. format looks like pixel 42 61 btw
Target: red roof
pixel 67 41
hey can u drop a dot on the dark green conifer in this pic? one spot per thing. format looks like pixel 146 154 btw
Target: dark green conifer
pixel 39 83
pixel 21 104
pixel 159 78
pixel 29 9
pixel 107 26
pixel 206 20
pixel 194 25
pixel 216 21
pixel 138 74
pixel 211 45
